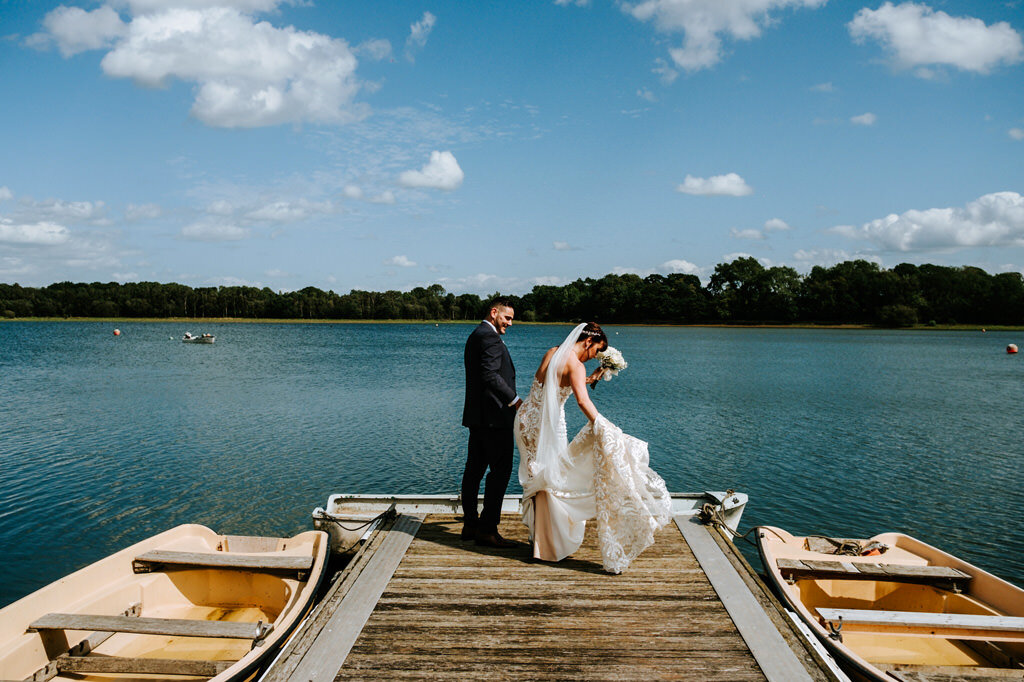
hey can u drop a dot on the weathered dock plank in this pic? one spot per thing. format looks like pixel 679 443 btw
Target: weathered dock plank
pixel 346 624
pixel 765 642
pixel 428 605
pixel 453 609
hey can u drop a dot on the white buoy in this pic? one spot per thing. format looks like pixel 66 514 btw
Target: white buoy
pixel 117 332
pixel 1011 349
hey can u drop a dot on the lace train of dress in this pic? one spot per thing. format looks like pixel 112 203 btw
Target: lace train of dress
pixel 607 476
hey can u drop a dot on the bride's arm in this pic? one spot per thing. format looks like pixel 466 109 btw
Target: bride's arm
pixel 578 381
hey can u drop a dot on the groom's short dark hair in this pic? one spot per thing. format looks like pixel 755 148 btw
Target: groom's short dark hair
pixel 500 302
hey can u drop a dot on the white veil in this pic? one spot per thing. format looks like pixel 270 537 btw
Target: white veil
pixel 552 443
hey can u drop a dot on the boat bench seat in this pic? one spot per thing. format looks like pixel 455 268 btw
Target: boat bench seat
pixel 855 570
pixel 151 626
pixel 144 666
pixel 159 558
pixel 918 623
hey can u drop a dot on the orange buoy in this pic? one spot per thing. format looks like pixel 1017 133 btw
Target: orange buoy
pixel 1011 349
pixel 117 332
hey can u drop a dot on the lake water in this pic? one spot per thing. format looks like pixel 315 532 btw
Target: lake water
pixel 106 440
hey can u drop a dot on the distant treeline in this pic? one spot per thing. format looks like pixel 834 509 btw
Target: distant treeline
pixel 743 291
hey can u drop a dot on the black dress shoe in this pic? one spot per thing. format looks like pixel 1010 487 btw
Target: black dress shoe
pixel 468 532
pixel 494 540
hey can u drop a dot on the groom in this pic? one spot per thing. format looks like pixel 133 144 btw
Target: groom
pixel 489 411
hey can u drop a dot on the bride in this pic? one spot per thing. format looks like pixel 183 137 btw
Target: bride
pixel 603 473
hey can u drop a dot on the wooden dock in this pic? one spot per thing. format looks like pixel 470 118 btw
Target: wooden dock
pixel 417 602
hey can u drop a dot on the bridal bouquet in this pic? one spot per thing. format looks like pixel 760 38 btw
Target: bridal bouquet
pixel 612 362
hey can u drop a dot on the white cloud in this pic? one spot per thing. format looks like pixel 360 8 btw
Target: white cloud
pixel 669 267
pixel 486 284
pixel 730 184
pixel 823 87
pixel 644 93
pixel 5 194
pixel 866 119
pixel 635 113
pixel 746 234
pixel 771 225
pixel 377 50
pixel 157 6
pixel 289 211
pixel 730 257
pixel 400 261
pixel 247 73
pixel 220 207
pixel 385 197
pixel 704 22
pixel 679 266
pixel 204 231
pixel 549 280
pixel 1016 133
pixel 827 257
pixel 58 250
pixel 578 3
pixel 994 220
pixel 665 73
pixel 32 234
pixel 357 193
pixel 232 281
pixel 12 268
pixel 418 34
pixel 441 172
pixel 75 30
pixel 71 211
pixel 918 36
pixel 142 211
pixel 564 246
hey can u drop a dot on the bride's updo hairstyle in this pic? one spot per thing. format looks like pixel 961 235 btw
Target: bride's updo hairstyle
pixel 593 330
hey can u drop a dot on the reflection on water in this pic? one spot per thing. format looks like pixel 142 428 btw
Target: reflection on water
pixel 105 441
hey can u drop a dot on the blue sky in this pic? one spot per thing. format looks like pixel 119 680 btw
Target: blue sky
pixel 497 145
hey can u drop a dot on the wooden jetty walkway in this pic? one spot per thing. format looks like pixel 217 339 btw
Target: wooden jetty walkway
pixel 417 602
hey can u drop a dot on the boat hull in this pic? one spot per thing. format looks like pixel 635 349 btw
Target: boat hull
pixel 245 585
pixel 350 518
pixel 914 582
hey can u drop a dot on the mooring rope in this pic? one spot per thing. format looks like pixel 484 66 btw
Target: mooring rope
pixel 389 513
pixel 714 515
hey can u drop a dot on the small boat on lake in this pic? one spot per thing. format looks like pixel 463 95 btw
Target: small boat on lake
pixel 187 602
pixel 202 338
pixel 894 608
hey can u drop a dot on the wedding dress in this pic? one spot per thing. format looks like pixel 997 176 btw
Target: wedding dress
pixel 603 473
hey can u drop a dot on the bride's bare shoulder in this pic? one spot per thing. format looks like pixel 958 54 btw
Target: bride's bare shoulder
pixel 544 363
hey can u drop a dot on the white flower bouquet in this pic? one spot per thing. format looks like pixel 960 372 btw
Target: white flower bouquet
pixel 612 362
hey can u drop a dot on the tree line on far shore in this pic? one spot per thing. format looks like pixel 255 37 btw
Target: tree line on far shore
pixel 743 291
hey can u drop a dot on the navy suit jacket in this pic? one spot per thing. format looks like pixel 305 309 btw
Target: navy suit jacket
pixel 490 380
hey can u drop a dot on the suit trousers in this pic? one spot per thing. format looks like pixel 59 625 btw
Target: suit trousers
pixel 490 450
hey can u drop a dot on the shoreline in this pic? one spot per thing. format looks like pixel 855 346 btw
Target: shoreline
pixel 195 321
